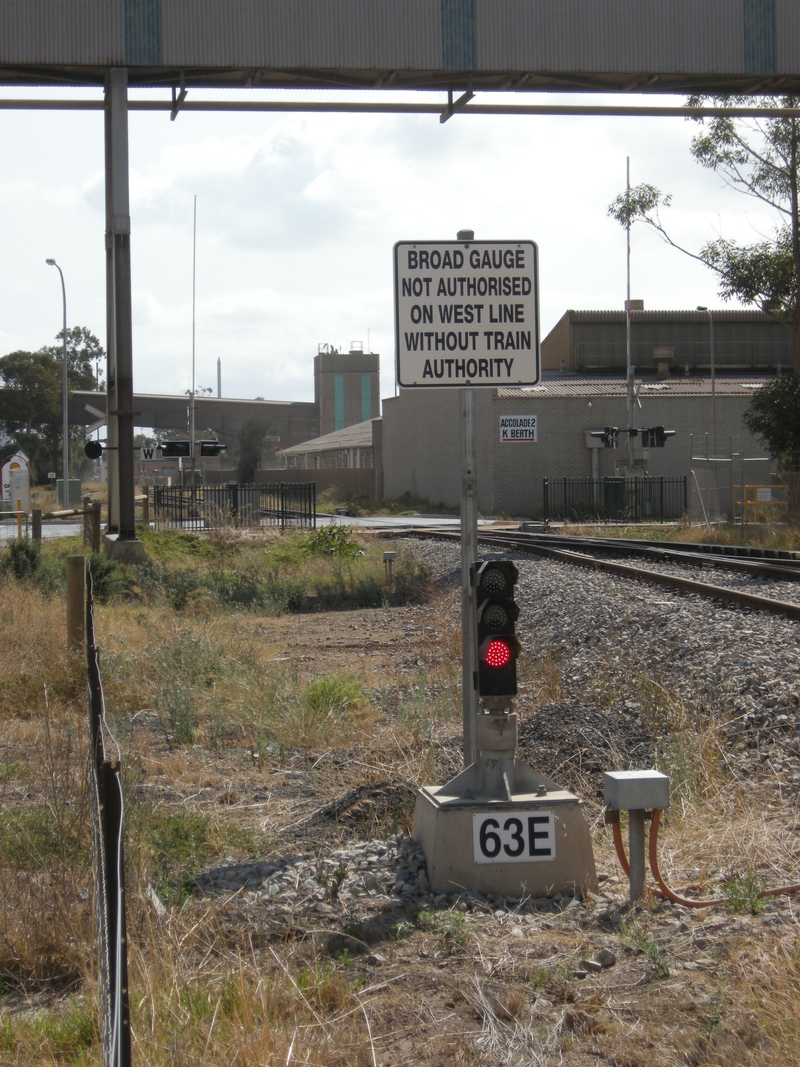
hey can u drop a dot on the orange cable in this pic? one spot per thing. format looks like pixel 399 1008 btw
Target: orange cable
pixel 663 889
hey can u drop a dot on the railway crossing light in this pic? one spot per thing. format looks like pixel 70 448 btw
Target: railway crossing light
pixel 175 449
pixel 498 647
pixel 609 436
pixel 211 448
pixel 655 436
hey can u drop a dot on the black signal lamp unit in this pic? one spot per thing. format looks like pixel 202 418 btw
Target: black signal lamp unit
pixel 609 435
pixel 211 448
pixel 93 449
pixel 175 449
pixel 656 437
pixel 498 647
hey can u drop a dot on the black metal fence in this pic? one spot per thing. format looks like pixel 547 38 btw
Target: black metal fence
pixel 615 499
pixel 207 506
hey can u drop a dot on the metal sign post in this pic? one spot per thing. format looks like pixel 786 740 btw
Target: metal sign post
pixel 469 553
pixel 467 315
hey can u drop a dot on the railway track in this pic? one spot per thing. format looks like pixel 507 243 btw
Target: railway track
pixel 585 552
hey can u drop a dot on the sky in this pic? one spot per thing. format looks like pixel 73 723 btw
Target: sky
pixel 297 216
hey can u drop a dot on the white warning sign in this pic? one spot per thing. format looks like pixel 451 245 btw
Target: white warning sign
pixel 519 428
pixel 466 313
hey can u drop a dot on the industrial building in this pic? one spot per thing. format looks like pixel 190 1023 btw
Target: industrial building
pixel 582 391
pixel 668 342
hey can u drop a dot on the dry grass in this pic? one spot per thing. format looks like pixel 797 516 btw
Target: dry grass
pixel 213 983
pixel 33 639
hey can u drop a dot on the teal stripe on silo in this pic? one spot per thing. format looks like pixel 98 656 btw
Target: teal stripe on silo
pixel 143 33
pixel 366 397
pixel 338 401
pixel 759 37
pixel 458 35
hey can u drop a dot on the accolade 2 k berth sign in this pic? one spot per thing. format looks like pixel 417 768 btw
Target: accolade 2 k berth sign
pixel 466 313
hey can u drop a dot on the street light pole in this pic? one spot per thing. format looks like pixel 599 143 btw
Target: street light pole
pixel 65 428
pixel 713 379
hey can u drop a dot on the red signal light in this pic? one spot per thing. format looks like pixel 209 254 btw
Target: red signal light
pixel 497 654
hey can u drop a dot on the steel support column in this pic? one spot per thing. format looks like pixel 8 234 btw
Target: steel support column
pixel 121 487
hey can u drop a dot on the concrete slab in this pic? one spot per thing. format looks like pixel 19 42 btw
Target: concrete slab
pixel 531 845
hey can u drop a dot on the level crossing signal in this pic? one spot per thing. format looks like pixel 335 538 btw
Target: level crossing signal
pixel 498 647
pixel 212 448
pixel 175 449
pixel 652 436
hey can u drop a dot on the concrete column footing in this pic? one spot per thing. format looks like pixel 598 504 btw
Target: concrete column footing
pixel 449 819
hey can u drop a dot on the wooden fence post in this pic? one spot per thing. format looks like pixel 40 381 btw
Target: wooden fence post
pixel 36 524
pixel 76 603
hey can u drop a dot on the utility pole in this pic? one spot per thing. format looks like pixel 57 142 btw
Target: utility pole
pixel 65 393
pixel 194 294
pixel 628 360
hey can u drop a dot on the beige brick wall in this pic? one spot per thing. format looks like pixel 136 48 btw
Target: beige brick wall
pixel 422 452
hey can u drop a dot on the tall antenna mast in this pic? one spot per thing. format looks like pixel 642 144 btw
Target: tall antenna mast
pixel 194 307
pixel 628 361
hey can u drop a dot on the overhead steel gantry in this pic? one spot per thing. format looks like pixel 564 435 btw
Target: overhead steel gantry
pixel 735 48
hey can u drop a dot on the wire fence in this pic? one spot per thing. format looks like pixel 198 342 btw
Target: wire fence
pixel 107 811
pixel 206 506
pixel 660 499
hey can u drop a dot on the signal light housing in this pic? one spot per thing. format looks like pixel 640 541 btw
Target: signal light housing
pixel 212 448
pixel 174 449
pixel 498 647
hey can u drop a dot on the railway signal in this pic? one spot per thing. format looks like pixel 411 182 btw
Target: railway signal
pixel 211 448
pixel 655 436
pixel 175 449
pixel 652 436
pixel 498 647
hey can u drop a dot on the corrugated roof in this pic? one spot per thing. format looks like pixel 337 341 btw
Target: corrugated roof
pixel 722 315
pixel 589 385
pixel 359 435
pixel 646 45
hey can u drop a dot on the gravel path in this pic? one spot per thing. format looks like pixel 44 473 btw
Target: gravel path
pixel 736 659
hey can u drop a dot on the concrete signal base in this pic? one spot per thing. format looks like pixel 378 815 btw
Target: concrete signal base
pixel 130 550
pixel 458 829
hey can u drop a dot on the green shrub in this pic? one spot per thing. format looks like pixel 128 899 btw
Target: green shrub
pixel 178 843
pixel 108 577
pixel 335 541
pixel 182 585
pixel 23 558
pixel 334 696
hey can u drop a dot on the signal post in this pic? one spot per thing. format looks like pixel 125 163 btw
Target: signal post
pixel 499 826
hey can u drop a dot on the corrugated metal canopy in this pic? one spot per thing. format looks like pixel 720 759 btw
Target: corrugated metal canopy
pixel 747 46
pixel 576 385
pixel 359 435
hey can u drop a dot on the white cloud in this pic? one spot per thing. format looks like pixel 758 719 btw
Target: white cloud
pixel 297 216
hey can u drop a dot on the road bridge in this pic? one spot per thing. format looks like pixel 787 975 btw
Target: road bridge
pixel 290 422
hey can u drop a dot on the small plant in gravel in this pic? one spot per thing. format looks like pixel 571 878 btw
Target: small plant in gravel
pixel 654 952
pixel 741 893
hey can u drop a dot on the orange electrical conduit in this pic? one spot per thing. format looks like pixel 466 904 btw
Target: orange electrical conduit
pixel 663 889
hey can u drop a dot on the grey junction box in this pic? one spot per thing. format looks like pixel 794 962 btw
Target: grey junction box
pixel 636 790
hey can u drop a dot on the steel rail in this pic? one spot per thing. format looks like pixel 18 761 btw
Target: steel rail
pixel 777 571
pixel 366 107
pixel 684 585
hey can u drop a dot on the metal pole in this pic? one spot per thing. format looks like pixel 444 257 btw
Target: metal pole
pixel 636 853
pixel 628 359
pixel 65 393
pixel 194 293
pixel 469 547
pixel 713 387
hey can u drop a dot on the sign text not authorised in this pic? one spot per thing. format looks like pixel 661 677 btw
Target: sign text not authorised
pixel 466 313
